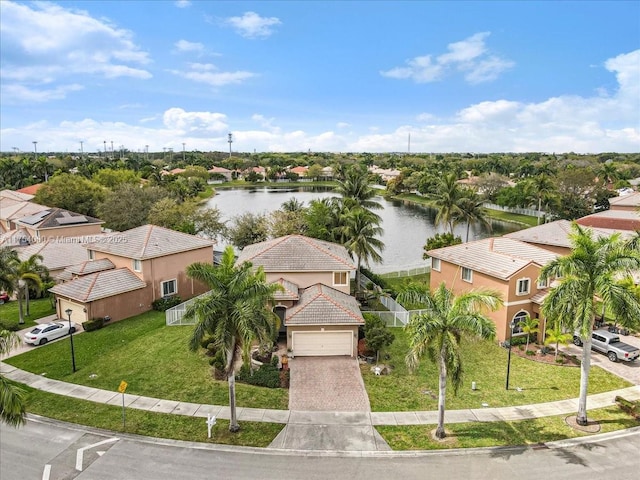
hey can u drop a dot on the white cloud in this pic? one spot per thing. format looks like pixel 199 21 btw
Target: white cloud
pixel 208 73
pixel 182 3
pixel 343 125
pixel 186 46
pixel 14 93
pixel 184 122
pixel 425 117
pixel 265 122
pixel 469 56
pixel 46 43
pixel 252 25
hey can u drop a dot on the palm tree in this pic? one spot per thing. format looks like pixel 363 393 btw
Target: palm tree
pixel 471 211
pixel 557 335
pixel 12 402
pixel 8 262
pixel 438 331
pixel 446 201
pixel 544 189
pixel 235 312
pixel 360 230
pixel 356 191
pixel 590 273
pixel 29 273
pixel 529 325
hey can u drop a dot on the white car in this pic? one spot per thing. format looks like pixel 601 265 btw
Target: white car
pixel 48 331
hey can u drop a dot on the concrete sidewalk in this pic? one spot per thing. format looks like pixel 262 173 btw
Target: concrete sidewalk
pixel 522 412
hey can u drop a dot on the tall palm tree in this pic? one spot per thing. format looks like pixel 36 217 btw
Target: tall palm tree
pixel 446 201
pixel 471 211
pixel 235 312
pixel 437 332
pixel 29 273
pixel 588 275
pixel 360 230
pixel 544 189
pixel 8 263
pixel 355 190
pixel 12 402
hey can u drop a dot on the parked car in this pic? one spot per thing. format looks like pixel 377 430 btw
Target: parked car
pixel 48 331
pixel 4 297
pixel 609 343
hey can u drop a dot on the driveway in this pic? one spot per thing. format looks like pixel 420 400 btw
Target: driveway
pixel 327 384
pixel 628 370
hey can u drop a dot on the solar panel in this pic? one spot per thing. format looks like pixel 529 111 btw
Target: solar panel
pixel 37 218
pixel 70 220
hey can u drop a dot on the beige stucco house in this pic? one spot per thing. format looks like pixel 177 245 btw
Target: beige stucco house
pixel 320 316
pixel 510 267
pixel 132 269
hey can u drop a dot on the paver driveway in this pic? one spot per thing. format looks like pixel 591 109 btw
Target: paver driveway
pixel 327 383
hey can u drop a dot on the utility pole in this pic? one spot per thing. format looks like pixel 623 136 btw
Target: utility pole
pixel 105 149
pixel 409 145
pixel 183 156
pixel 112 155
pixel 35 151
pixel 81 150
pixel 146 152
pixel 230 142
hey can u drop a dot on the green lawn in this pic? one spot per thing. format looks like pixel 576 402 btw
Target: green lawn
pixel 484 363
pixel 152 358
pixel 178 427
pixel 9 314
pixel 497 434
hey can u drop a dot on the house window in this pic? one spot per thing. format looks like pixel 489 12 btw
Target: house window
pixel 516 323
pixel 467 274
pixel 435 264
pixel 170 287
pixel 523 286
pixel 137 265
pixel 340 278
pixel 542 284
pixel 91 254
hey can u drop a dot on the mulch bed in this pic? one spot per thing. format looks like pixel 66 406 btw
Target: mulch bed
pixel 591 427
pixel 549 358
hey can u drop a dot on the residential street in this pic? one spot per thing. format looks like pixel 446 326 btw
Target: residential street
pixel 67 453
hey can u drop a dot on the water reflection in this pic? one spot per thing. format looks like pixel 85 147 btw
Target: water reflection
pixel 406 226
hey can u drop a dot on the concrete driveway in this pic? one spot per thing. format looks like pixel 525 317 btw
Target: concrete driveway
pixel 327 384
pixel 628 370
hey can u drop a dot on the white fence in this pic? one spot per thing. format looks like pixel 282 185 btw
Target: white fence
pixel 407 273
pixel 522 211
pixel 175 315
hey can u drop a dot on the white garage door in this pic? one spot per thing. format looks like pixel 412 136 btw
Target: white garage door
pixel 311 344
pixel 77 313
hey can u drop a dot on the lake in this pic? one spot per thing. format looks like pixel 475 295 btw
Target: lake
pixel 406 226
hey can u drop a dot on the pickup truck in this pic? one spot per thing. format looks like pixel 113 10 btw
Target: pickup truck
pixel 609 343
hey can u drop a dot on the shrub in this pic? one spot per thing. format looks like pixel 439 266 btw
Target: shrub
pixel 164 303
pixel 211 350
pixel 204 343
pixel 274 361
pixel 93 324
pixel 265 376
pixel 520 340
pixel 530 352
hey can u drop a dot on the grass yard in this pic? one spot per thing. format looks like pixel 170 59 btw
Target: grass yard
pixel 497 434
pixel 152 358
pixel 10 316
pixel 177 427
pixel 486 364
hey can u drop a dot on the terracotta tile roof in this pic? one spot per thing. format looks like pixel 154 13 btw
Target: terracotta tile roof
pixel 498 257
pixel 290 290
pixel 30 190
pixel 215 169
pixel 630 200
pixel 56 253
pixel 148 241
pixel 539 297
pixel 99 285
pixel 297 253
pixel 612 219
pixel 322 305
pixel 56 218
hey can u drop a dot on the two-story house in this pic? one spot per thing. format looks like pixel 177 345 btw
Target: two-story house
pixel 135 268
pixel 505 265
pixel 319 314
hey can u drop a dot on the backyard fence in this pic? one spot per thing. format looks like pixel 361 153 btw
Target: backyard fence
pixel 407 273
pixel 522 211
pixel 175 315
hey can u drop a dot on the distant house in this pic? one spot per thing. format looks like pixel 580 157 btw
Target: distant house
pixel 132 270
pixel 510 267
pixel 619 217
pixel 13 209
pixel 629 202
pixel 320 316
pixel 225 172
pixel 58 223
pixel 300 171
pixel 386 174
pixel 31 190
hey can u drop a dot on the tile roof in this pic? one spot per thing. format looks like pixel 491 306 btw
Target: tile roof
pixel 148 241
pixel 612 219
pixel 15 195
pixel 555 233
pixel 290 290
pixel 539 297
pixel 498 257
pixel 297 253
pixel 14 210
pixel 90 266
pixel 31 190
pixel 58 217
pixel 630 200
pixel 56 253
pixel 322 305
pixel 99 285
pixel 15 238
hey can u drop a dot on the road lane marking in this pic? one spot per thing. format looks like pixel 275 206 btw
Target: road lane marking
pixel 80 454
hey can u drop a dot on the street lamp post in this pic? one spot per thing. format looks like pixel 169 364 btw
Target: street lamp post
pixel 68 311
pixel 511 325
pixel 183 154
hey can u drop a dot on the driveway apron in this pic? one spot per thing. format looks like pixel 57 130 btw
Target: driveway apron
pixel 327 384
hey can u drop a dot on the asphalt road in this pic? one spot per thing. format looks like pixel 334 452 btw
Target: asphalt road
pixel 51 451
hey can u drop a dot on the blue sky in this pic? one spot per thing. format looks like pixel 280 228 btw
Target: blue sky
pixel 322 76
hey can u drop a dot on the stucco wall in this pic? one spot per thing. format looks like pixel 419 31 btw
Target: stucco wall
pixel 306 279
pixel 89 230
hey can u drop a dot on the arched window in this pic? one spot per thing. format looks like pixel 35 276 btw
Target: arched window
pixel 518 318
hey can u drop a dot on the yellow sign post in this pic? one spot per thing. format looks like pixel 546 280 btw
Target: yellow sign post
pixel 123 388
